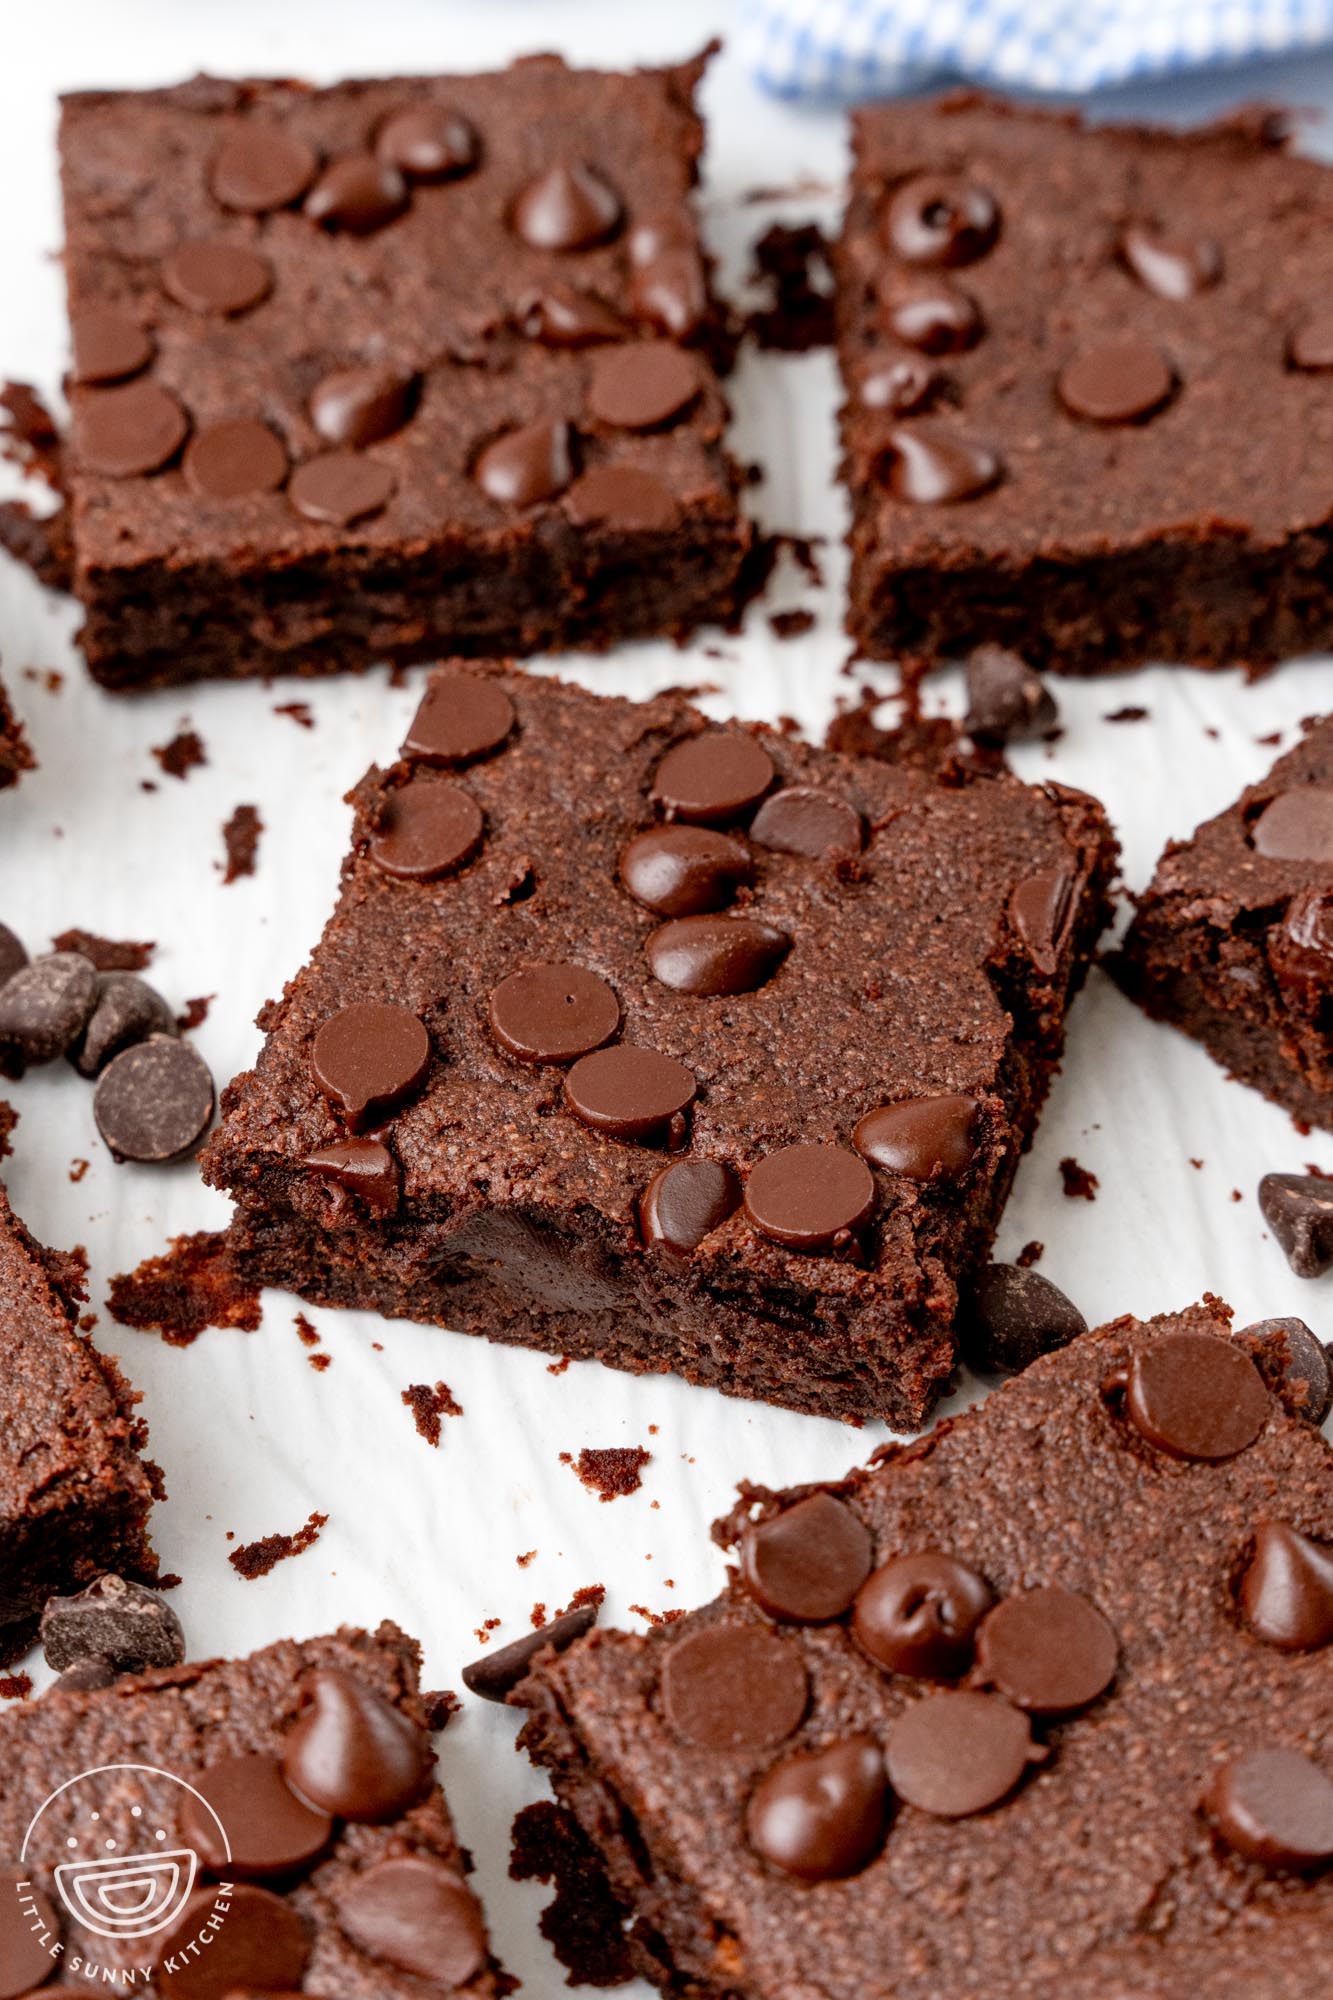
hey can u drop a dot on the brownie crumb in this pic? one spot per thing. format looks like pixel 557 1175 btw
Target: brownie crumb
pixel 77 1170
pixel 299 711
pixel 440 1705
pixel 1271 741
pixel 9 1118
pixel 1129 713
pixel 107 954
pixel 15 1687
pixel 240 837
pixel 588 1593
pixel 524 1560
pixel 583 1923
pixel 790 624
pixel 319 1362
pixel 1196 1164
pixel 254 1559
pixel 195 1013
pixel 1031 1253
pixel 305 1331
pixel 791 265
pixel 1079 1183
pixel 559 1367
pixel 191 1286
pixel 41 542
pixel 613 1473
pixel 483 1632
pixel 538 1615
pixel 656 1617
pixel 181 756
pixel 428 1406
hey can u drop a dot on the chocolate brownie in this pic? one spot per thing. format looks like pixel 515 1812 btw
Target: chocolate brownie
pixel 1233 940
pixel 271 1824
pixel 684 1046
pixel 389 370
pixel 74 1496
pixel 1087 411
pixel 15 756
pixel 1037 1708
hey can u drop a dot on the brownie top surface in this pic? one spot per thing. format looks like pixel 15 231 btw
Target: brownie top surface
pixel 1098 1874
pixel 1238 442
pixel 438 297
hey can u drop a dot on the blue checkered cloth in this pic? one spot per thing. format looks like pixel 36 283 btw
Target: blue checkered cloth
pixel 867 48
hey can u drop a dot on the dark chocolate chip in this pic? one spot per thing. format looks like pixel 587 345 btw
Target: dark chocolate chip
pixel 369 1059
pixel 350 1752
pixel 107 345
pixel 551 1013
pixel 216 277
pixel 495 1675
pixel 340 487
pixel 924 1138
pixel 127 432
pixel 901 386
pixel 428 827
pixel 959 1753
pixel 810 1197
pixel 128 1010
pixel 258 168
pixel 1041 908
pixel 521 467
pixel 1296 826
pixel 1174 267
pixel 713 778
pixel 1016 1316
pixel 1049 1650
pixel 45 1006
pixel 669 292
pixel 25 1953
pixel 918 1614
pixel 734 1687
pixel 685 871
pixel 802 819
pixel 13 955
pixel 154 1101
pixel 1196 1396
pixel 122 1622
pixel 1118 382
pixel 930 314
pixel 715 955
pixel 413 1912
pixel 1296 1365
pixel 262 1943
pixel 640 385
pixel 428 142
pixel 359 193
pixel 560 316
pixel 651 236
pixel 569 207
pixel 1310 345
pixel 462 717
pixel 233 459
pixel 821 1814
pixel 1006 701
pixel 631 1093
pixel 686 1202
pixel 1300 951
pixel 623 499
pixel 941 220
pixel 85 1676
pixel 1275 1807
pixel 363 1166
pixel 1298 1208
pixel 359 406
pixel 1286 1591
pixel 265 1829
pixel 806 1563
pixel 933 466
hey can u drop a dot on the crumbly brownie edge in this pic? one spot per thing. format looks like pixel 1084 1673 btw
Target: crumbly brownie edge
pixel 15 755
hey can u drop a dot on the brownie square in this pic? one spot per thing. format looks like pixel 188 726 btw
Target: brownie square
pixel 996 1717
pixel 1233 940
pixel 392 369
pixel 1087 395
pixel 15 756
pixel 74 1496
pixel 279 1808
pixel 752 1119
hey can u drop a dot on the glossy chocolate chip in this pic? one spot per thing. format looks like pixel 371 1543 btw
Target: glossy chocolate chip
pixel 802 819
pixel 932 466
pixel 551 1013
pixel 234 459
pixel 260 167
pixel 1006 701
pixel 1050 1651
pixel 413 1912
pixel 359 193
pixel 428 827
pixel 45 1006
pixel 13 955
pixel 428 142
pixel 1310 345
pixel 350 1752
pixel 899 385
pixel 651 236
pixel 734 1687
pixel 86 1675
pixel 930 314
pixel 154 1102
pixel 918 1614
pixel 263 1943
pixel 1296 1365
pixel 561 316
pixel 821 1814
pixel 1174 267
pixel 959 1753
pixel 806 1563
pixel 939 219
pixel 709 956
pixel 810 1197
pixel 1016 1316
pixel 268 1830
pixel 1296 826
pixel 523 466
pixel 25 1956
pixel 669 291
pixel 640 385
pixel 112 1619
pixel 1117 382
pixel 923 1138
pixel 495 1675
pixel 1300 951
pixel 1298 1208
pixel 685 871
pixel 1195 1395
pixel 1275 1807
pixel 1041 908
pixel 686 1202
pixel 340 487
pixel 569 207
pixel 1286 1589
pixel 631 1093
pixel 128 432
pixel 107 346
pixel 713 778
pixel 359 406
pixel 216 277
pixel 462 717
pixel 364 1167
pixel 369 1059
pixel 623 499
pixel 128 1010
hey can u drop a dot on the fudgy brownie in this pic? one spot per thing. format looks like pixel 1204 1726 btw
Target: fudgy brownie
pixel 683 1046
pixel 1233 940
pixel 15 756
pixel 389 370
pixel 221 1829
pixel 74 1496
pixel 1087 388
pixel 1037 1708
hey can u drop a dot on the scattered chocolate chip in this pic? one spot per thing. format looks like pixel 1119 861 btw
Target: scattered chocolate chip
pixel 806 1563
pixel 128 1010
pixel 553 1013
pixel 369 1059
pixel 715 955
pixel 126 432
pixel 1049 1651
pixel 216 277
pixel 1275 1807
pixel 734 1687
pixel 522 467
pixel 428 142
pixel 923 1138
pixel 569 207
pixel 686 1202
pixel 1296 1365
pixel 263 1944
pixel 1174 267
pixel 640 385
pixel 1118 382
pixel 1195 1395
pixel 13 955
pixel 233 459
pixel 810 1198
pixel 359 193
pixel 1006 701
pixel 25 1941
pixel 107 346
pixel 561 316
pixel 413 1912
pixel 1310 345
pixel 462 717
pixel 941 220
pixel 931 466
pixel 959 1753
pixel 350 1752
pixel 630 1093
pixel 622 498
pixel 340 487
pixel 265 1829
pixel 1298 1208
pixel 359 406
pixel 685 871
pixel 1016 1316
pixel 802 819
pixel 929 314
pixel 1041 907
pixel 365 1167
pixel 918 1615
pixel 45 1006
pixel 713 778
pixel 495 1675
pixel 821 1814
pixel 427 828
pixel 114 1620
pixel 154 1102
pixel 258 168
pixel 1286 1590
pixel 1296 826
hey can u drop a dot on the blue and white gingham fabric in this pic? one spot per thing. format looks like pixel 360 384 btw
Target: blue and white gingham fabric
pixel 867 48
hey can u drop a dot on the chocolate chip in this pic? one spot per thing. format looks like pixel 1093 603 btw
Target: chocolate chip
pixel 45 1006
pixel 902 386
pixel 107 346
pixel 428 142
pixel 715 955
pixel 1298 1208
pixel 560 316
pixel 263 1943
pixel 265 1829
pixel 358 193
pixel 363 1166
pixel 259 167
pixel 734 1687
pixel 13 955
pixel 495 1675
pixel 128 1010
pixel 127 432
pixel 821 1814
pixel 669 292
pixel 1300 951
pixel 1295 1365
pixel 959 1753
pixel 413 1912
pixel 931 466
pixel 1006 701
pixel 85 1676
pixel 685 871
pixel 1041 908
pixel 350 1752
pixel 642 384
pixel 369 1059
pixel 1286 1590
pixel 569 207
pixel 216 277
pixel 1195 1395
pixel 26 1938
pixel 1118 382
pixel 807 1562
pixel 918 1614
pixel 154 1102
pixel 427 828
pixel 1174 267
pixel 1016 1316
pixel 521 467
pixel 713 778
pixel 131 1627
pixel 801 819
pixel 551 1013
pixel 686 1202
pixel 462 717
pixel 1310 345
pixel 623 499
pixel 1296 826
pixel 941 220
pixel 340 487
pixel 631 1093
pixel 930 314
pixel 233 459
pixel 1275 1807
pixel 924 1138
pixel 359 406
pixel 651 236
pixel 1048 1650
pixel 810 1197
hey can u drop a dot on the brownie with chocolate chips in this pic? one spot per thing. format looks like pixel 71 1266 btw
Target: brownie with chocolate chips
pixel 74 1495
pixel 15 756
pixel 1086 374
pixel 392 369
pixel 684 1046
pixel 1036 1708
pixel 1233 940
pixel 268 1824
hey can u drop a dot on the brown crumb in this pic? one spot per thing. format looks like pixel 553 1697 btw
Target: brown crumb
pixel 191 1286
pixel 790 624
pixel 1236 1195
pixel 588 1593
pixel 9 1118
pixel 319 1362
pixel 1271 741
pixel 1079 1183
pixel 525 1559
pixel 791 263
pixel 428 1406
pixel 305 1331
pixel 614 1473
pixel 77 1170
pixel 538 1615
pixel 240 837
pixel 559 1367
pixel 254 1559
pixel 483 1632
pixel 1196 1164
pixel 299 711
pixel 107 954
pixel 181 756
pixel 1127 714
pixel 440 1704
pixel 656 1617
pixel 15 1687
pixel 1031 1253
pixel 582 1923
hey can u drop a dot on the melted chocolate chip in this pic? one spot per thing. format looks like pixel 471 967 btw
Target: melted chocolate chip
pixel 1296 826
pixel 1049 1650
pixel 810 1197
pixel 107 346
pixel 359 193
pixel 265 1829
pixel 669 291
pixel 686 1202
pixel 821 1814
pixel 495 1675
pixel 733 1687
pixel 1041 908
pixel 807 1563
pixel 1006 701
pixel 1275 1807
pixel 623 499
pixel 561 316
pixel 428 827
pixel 959 1753
pixel 631 1093
pixel 233 459
pixel 260 167
pixel 413 1912
pixel 941 220
pixel 1286 1591
pixel 462 717
pixel 1300 951
pixel 1174 267
pixel 1118 382
pixel 569 207
pixel 802 819
pixel 918 1614
pixel 359 406
pixel 521 467
pixel 553 1013
pixel 1298 1208
pixel 350 1752
pixel 930 314
pixel 713 778
pixel 340 487
pixel 931 466
pixel 263 1944
pixel 924 1138
pixel 428 142
pixel 685 871
pixel 363 1166
pixel 128 432
pixel 369 1059
pixel 1016 1316
pixel 641 385
pixel 1196 1396
pixel 154 1102
pixel 715 955
pixel 216 277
